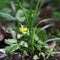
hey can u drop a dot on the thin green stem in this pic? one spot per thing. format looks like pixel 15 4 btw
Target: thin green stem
pixel 30 14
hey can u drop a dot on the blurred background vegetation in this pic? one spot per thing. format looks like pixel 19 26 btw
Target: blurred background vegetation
pixel 8 5
pixel 48 8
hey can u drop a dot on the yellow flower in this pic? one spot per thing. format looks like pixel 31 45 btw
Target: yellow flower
pixel 23 30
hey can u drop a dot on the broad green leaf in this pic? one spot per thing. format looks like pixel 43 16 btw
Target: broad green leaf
pixel 23 43
pixel 20 16
pixel 40 42
pixel 41 34
pixel 36 37
pixel 6 10
pixel 7 49
pixel 12 48
pixel 7 17
pixel 38 46
pixel 35 57
pixel 10 41
pixel 19 36
pixel 42 54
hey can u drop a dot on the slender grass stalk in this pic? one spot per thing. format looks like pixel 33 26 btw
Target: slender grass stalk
pixel 30 15
pixel 30 21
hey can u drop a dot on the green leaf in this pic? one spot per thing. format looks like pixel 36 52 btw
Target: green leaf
pixel 41 34
pixel 25 53
pixel 35 57
pixel 12 48
pixel 46 46
pixel 50 52
pixel 10 41
pixel 38 46
pixel 7 17
pixel 20 16
pixel 36 37
pixel 40 42
pixel 23 43
pixel 42 54
pixel 19 36
pixel 6 10
pixel 7 49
